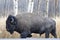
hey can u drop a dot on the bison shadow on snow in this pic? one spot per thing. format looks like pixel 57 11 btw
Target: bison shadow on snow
pixel 27 25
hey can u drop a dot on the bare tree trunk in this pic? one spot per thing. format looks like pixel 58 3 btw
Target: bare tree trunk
pixel 39 1
pixel 56 1
pixel 47 8
pixel 15 7
pixel 30 6
pixel 4 8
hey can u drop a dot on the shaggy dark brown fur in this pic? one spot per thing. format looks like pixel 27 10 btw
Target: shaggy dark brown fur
pixel 26 24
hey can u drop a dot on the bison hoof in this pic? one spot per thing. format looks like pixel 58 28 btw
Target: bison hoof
pixel 29 36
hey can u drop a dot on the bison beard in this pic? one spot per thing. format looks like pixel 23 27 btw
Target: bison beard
pixel 27 24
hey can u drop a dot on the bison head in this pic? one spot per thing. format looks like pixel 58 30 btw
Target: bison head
pixel 11 24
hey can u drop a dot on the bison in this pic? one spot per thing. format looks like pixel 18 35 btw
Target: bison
pixel 26 25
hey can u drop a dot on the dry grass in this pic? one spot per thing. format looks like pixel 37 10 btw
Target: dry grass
pixel 5 34
pixel 58 26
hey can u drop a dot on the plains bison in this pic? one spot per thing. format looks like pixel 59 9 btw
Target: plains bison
pixel 25 25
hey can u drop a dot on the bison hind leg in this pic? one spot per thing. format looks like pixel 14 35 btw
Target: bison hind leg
pixel 47 34
pixel 53 32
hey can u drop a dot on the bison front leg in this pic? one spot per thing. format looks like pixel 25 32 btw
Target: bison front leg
pixel 24 34
pixel 53 32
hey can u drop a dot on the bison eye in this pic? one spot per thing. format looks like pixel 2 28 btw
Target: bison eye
pixel 10 19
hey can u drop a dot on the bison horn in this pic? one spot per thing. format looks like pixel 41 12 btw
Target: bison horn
pixel 12 20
